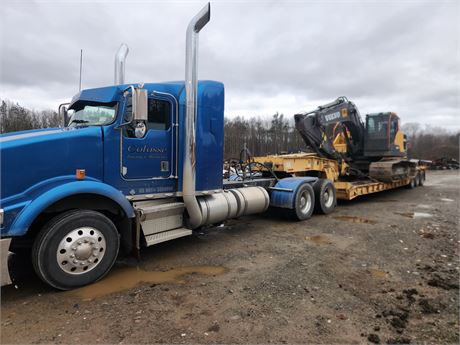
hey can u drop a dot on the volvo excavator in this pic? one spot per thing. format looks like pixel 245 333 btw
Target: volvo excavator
pixel 375 149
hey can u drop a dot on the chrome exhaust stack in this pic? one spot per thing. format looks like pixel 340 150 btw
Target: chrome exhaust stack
pixel 120 62
pixel 191 85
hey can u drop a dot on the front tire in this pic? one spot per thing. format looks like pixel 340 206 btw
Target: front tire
pixel 75 248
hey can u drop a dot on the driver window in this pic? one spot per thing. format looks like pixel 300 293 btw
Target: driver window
pixel 159 116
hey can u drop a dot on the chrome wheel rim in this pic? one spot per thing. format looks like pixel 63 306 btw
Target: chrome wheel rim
pixel 305 202
pixel 328 197
pixel 81 250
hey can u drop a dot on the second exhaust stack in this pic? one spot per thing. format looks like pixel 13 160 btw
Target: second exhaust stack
pixel 191 84
pixel 120 62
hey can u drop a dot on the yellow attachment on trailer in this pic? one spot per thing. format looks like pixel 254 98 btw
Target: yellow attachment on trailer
pixel 302 163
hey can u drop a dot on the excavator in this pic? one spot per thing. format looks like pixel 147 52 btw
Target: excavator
pixel 376 148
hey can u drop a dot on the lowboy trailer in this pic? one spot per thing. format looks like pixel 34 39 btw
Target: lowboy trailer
pixel 346 187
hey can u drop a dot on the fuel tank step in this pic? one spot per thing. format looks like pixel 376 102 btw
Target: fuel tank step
pixel 159 216
pixel 167 235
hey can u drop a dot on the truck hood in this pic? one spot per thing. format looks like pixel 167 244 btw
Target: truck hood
pixel 30 157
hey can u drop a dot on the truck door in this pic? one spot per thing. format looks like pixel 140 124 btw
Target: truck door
pixel 151 156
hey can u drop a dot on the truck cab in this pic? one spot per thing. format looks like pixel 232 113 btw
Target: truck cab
pixel 143 156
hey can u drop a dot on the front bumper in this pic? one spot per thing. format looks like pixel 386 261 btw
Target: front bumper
pixel 4 256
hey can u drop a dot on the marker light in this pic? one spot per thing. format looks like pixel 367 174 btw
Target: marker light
pixel 80 174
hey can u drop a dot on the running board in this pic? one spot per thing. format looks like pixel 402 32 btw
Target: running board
pixel 167 235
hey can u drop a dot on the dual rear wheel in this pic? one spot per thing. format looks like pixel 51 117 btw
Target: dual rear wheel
pixel 319 198
pixel 418 180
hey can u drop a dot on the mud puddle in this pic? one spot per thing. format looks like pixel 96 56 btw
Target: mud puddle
pixel 127 278
pixel 354 219
pixel 447 200
pixel 379 274
pixel 414 214
pixel 319 239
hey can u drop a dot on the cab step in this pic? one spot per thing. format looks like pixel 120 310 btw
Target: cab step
pixel 167 235
pixel 156 217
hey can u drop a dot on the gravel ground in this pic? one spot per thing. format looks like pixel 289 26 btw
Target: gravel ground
pixel 380 269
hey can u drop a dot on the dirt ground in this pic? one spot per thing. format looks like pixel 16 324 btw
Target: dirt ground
pixel 383 268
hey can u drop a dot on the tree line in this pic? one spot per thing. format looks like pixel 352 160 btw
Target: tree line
pixel 260 135
pixel 431 143
pixel 14 117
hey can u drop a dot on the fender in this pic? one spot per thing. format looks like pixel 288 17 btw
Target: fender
pixel 284 192
pixel 32 209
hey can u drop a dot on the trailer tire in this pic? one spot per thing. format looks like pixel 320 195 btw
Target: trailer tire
pixel 304 203
pixel 422 178
pixel 417 179
pixel 325 196
pixel 413 183
pixel 75 248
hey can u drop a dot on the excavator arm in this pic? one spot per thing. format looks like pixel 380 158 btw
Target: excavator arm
pixel 320 128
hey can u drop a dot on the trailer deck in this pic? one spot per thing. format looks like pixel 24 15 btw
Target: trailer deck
pixel 349 190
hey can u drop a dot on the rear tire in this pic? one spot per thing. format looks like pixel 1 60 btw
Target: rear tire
pixel 417 179
pixel 75 248
pixel 304 203
pixel 413 183
pixel 422 178
pixel 325 196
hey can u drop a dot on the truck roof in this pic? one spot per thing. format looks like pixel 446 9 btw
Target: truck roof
pixel 111 93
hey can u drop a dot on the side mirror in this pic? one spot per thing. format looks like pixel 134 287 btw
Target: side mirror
pixel 62 110
pixel 140 108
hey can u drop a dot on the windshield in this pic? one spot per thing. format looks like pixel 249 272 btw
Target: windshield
pixel 91 114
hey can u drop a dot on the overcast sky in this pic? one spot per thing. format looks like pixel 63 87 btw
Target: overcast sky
pixel 289 57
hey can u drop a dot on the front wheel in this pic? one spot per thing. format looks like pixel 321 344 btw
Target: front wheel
pixel 75 248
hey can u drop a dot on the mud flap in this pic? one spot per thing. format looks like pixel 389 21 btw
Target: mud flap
pixel 4 257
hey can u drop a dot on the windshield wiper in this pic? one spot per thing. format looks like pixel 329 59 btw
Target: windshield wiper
pixel 78 121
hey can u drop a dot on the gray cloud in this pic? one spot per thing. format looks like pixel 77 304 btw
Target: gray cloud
pixel 287 57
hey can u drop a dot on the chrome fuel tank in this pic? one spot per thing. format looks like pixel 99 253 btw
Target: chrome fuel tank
pixel 233 203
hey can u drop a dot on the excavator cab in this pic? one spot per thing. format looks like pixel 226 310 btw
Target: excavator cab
pixel 383 137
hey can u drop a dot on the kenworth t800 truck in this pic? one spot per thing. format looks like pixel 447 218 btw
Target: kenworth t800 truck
pixel 134 165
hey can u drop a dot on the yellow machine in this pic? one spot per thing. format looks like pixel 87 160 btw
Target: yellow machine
pixel 376 148
pixel 359 158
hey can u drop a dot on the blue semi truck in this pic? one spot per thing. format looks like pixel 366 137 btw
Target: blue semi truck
pixel 134 165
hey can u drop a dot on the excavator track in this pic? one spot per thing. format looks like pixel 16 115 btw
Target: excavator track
pixel 392 170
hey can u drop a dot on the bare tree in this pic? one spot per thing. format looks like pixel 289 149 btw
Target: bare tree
pixel 14 117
